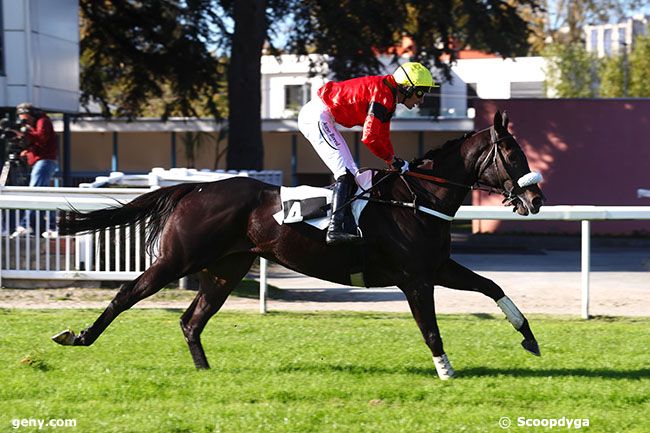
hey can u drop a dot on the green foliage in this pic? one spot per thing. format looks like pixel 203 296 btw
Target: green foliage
pixel 571 71
pixel 640 67
pixel 352 32
pixel 193 142
pixel 612 77
pixel 154 57
pixel 329 372
pixel 134 52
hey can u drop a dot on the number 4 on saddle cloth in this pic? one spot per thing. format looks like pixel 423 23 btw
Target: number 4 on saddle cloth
pixel 313 205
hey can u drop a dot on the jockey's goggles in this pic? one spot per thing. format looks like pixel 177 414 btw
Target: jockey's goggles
pixel 420 91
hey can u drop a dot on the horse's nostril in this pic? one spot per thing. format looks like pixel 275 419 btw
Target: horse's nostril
pixel 538 202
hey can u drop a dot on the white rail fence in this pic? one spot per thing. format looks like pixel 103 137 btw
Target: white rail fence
pixel 110 255
pixel 120 255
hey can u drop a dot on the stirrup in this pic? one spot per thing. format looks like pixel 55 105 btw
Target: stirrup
pixel 341 237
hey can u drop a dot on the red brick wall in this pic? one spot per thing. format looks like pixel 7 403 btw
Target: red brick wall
pixel 590 151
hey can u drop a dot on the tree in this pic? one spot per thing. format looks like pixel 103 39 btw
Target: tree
pixel 639 67
pixel 612 77
pixel 575 73
pixel 139 46
pixel 351 32
pixel 572 72
pixel 133 52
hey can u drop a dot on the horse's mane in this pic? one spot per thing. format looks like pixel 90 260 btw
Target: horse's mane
pixel 441 152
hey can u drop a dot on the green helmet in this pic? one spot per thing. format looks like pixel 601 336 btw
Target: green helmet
pixel 413 77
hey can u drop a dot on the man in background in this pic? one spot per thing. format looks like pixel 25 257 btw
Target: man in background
pixel 41 148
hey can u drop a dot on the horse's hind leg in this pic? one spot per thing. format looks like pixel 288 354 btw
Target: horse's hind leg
pixel 456 276
pixel 217 282
pixel 151 281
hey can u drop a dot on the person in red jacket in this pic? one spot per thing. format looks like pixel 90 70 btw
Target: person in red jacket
pixel 41 147
pixel 368 102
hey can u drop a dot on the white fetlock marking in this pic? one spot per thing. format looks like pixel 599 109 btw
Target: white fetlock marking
pixel 443 367
pixel 511 311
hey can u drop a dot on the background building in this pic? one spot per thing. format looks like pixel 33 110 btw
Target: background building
pixel 40 54
pixel 613 39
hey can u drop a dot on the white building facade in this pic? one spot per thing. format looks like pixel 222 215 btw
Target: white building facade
pixel 286 85
pixel 40 54
pixel 614 39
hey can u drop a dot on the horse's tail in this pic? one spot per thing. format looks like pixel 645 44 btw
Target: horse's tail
pixel 152 208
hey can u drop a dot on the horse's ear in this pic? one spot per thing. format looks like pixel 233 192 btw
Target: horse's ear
pixel 506 121
pixel 498 121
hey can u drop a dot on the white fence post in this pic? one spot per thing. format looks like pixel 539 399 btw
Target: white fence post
pixel 263 285
pixel 585 252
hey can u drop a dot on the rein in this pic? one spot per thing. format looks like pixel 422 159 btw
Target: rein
pixel 442 182
pixel 493 157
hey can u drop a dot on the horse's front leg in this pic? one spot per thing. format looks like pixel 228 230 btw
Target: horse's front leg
pixel 420 299
pixel 456 276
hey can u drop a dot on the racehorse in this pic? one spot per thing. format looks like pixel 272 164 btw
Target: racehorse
pixel 218 229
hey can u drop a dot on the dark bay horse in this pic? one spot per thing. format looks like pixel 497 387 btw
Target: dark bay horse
pixel 218 229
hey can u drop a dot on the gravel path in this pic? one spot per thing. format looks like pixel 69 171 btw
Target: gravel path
pixel 612 293
pixel 540 274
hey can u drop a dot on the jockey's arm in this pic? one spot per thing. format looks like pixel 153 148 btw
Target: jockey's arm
pixel 376 132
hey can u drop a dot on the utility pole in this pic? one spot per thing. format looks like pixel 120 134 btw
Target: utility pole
pixel 625 68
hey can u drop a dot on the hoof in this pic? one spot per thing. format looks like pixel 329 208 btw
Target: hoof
pixel 531 346
pixel 65 338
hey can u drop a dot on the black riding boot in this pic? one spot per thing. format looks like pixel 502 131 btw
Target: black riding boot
pixel 336 233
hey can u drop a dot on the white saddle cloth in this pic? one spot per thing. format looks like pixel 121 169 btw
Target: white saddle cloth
pixel 293 195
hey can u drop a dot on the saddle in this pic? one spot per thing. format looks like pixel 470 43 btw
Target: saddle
pixel 313 205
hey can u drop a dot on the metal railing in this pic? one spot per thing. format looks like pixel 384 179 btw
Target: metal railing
pixel 120 255
pixel 114 254
pixel 584 214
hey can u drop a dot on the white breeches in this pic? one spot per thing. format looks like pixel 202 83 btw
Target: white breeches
pixel 318 126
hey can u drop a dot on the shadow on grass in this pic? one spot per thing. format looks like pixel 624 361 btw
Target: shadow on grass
pixel 354 369
pixel 483 316
pixel 601 373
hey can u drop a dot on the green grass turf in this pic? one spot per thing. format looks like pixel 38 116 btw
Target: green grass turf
pixel 313 372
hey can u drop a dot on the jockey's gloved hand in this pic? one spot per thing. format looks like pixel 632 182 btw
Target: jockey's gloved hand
pixel 400 164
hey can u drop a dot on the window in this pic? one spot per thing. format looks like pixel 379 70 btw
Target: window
pixel 472 95
pixel 532 89
pixel 295 96
pixel 607 42
pixel 622 44
pixel 593 40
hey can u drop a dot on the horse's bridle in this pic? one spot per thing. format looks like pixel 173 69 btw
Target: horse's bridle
pixel 493 157
pixel 510 194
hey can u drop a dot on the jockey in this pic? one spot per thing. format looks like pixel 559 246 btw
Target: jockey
pixel 368 102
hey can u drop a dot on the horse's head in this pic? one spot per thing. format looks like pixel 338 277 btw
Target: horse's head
pixel 501 164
